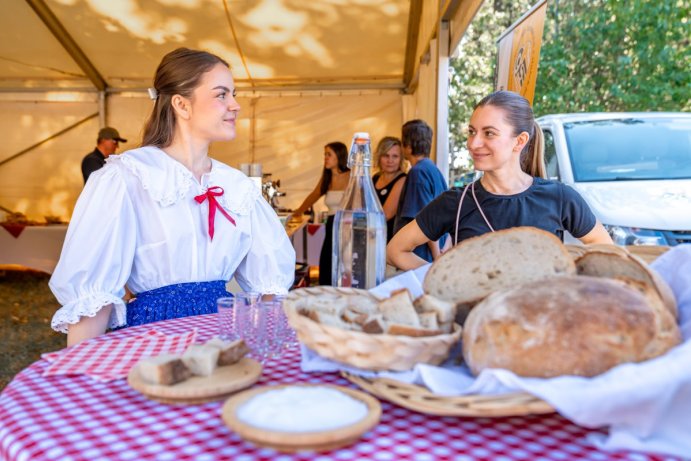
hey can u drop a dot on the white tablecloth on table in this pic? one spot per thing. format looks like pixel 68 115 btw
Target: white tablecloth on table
pixel 646 406
pixel 37 247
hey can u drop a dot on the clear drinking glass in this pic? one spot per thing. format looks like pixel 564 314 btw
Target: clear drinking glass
pixel 272 342
pixel 226 318
pixel 251 322
pixel 287 333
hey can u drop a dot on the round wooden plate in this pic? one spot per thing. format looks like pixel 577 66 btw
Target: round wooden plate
pixel 199 389
pixel 291 442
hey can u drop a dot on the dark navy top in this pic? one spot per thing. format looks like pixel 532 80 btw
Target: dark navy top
pixel 425 182
pixel 548 205
pixel 383 194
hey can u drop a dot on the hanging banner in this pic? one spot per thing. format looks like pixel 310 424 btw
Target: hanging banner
pixel 518 53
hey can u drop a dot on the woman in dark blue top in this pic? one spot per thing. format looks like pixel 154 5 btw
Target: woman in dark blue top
pixel 389 180
pixel 507 145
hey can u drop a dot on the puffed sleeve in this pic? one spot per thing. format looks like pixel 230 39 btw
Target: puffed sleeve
pixel 269 266
pixel 97 255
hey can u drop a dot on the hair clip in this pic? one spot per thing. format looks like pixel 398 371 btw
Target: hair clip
pixel 153 94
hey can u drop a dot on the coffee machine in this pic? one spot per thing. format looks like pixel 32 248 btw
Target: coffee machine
pixel 271 192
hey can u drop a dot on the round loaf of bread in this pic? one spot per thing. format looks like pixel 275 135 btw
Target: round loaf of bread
pixel 565 325
pixel 481 265
pixel 622 265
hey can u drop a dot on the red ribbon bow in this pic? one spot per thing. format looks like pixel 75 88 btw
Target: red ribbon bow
pixel 211 194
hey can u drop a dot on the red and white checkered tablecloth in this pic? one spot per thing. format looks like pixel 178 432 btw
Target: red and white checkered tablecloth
pixel 108 359
pixel 78 418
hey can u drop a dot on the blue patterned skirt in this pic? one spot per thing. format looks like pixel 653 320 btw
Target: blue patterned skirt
pixel 174 301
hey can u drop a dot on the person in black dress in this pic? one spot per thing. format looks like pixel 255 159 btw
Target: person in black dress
pixel 332 184
pixel 389 180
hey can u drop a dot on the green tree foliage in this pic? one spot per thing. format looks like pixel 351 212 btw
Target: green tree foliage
pixel 613 55
pixel 597 55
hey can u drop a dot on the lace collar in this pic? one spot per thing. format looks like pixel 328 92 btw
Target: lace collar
pixel 167 181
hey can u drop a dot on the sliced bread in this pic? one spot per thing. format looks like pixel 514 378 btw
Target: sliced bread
pixel 399 309
pixel 201 359
pixel 481 265
pixel 229 352
pixel 163 369
pixel 445 311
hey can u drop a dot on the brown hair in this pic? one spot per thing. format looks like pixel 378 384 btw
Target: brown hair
pixel 384 146
pixel 179 72
pixel 341 152
pixel 417 135
pixel 520 116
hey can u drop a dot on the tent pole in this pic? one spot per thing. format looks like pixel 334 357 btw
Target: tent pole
pixel 411 43
pixel 442 112
pixel 58 30
pixel 101 109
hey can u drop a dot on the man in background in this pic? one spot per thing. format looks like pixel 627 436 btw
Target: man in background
pixel 424 183
pixel 106 144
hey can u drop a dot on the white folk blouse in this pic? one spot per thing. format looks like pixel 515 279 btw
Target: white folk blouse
pixel 137 223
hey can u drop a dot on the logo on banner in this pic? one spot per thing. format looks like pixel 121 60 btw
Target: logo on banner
pixel 521 64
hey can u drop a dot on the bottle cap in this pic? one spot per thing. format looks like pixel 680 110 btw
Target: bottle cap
pixel 361 136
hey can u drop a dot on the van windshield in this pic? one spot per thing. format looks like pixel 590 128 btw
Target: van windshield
pixel 630 149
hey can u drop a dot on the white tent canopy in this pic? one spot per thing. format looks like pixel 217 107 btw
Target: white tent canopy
pixel 307 72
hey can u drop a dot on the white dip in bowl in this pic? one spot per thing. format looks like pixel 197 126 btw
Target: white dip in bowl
pixel 302 409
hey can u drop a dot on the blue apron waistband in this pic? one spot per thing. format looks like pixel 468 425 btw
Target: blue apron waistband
pixel 175 301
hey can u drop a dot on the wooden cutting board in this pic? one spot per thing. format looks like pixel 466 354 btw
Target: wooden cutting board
pixel 200 389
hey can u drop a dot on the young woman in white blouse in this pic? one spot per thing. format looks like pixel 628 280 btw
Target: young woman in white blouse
pixel 332 184
pixel 168 221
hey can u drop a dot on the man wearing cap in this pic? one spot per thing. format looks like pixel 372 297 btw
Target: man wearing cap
pixel 106 144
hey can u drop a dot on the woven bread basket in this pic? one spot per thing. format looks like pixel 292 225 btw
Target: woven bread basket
pixel 422 400
pixel 376 352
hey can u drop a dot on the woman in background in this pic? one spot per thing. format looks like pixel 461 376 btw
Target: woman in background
pixel 389 180
pixel 168 221
pixel 506 144
pixel 332 184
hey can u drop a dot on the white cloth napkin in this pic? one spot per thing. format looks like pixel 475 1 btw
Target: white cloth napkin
pixel 646 406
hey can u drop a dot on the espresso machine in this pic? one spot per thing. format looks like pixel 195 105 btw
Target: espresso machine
pixel 271 192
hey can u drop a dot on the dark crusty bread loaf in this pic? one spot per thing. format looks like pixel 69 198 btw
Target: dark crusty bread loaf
pixel 622 265
pixel 562 326
pixel 478 266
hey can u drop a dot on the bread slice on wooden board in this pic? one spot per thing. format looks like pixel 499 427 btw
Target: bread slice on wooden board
pixel 561 326
pixel 399 309
pixel 229 352
pixel 163 369
pixel 481 265
pixel 201 359
pixel 598 263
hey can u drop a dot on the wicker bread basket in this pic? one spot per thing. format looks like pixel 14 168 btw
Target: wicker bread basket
pixel 376 352
pixel 422 400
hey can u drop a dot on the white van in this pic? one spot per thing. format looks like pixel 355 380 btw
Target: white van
pixel 633 169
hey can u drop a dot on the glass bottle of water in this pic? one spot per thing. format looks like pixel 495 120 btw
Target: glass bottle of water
pixel 359 234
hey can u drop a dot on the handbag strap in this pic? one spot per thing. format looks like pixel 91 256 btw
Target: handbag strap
pixel 477 204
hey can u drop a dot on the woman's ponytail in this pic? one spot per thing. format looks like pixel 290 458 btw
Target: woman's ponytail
pixel 533 155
